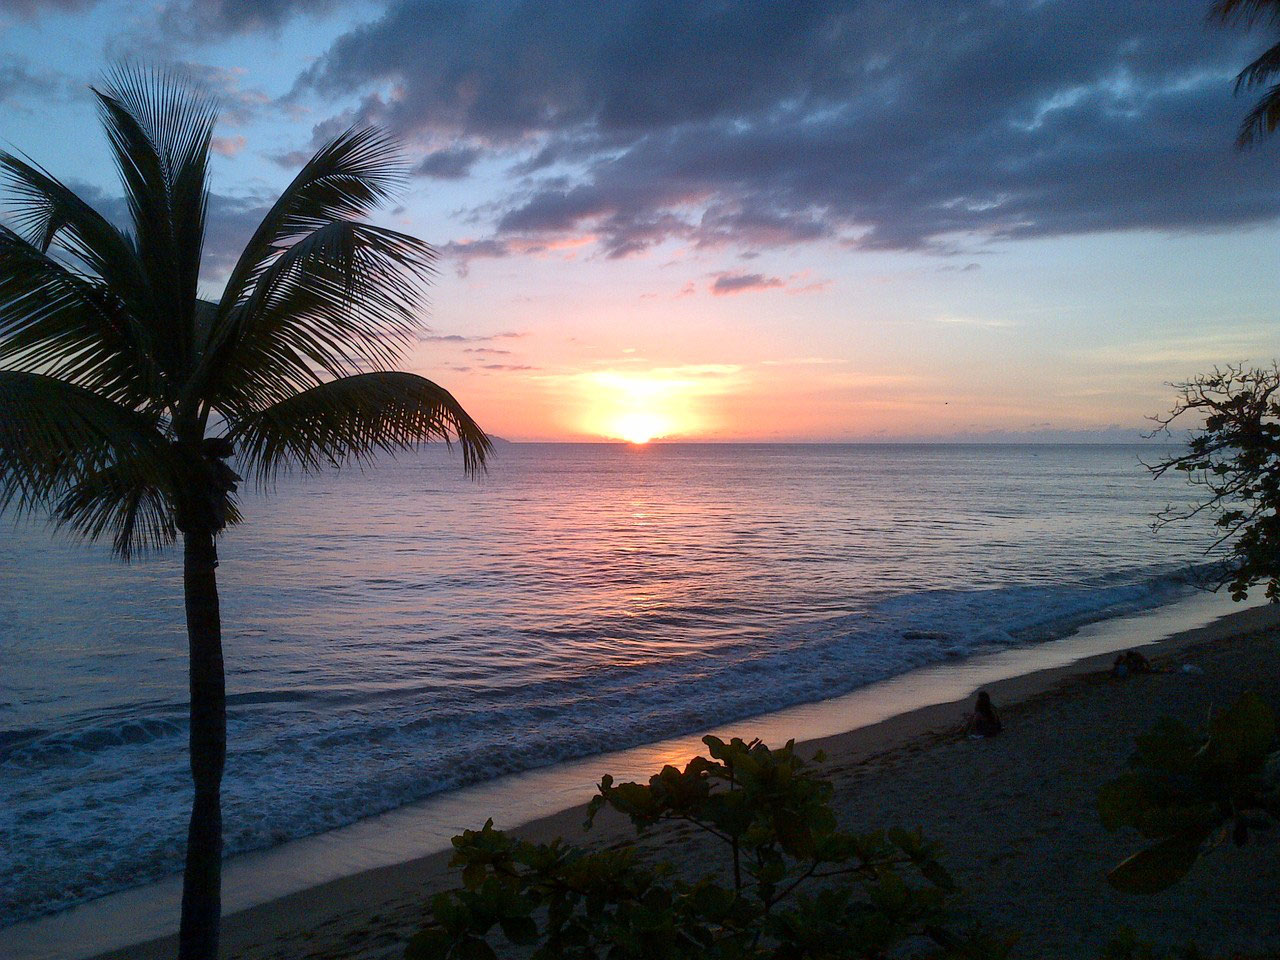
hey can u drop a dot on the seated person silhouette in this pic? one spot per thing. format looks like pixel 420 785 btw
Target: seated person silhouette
pixel 984 721
pixel 1131 661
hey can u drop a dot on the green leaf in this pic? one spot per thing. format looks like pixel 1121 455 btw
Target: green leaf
pixel 428 945
pixel 351 419
pixel 1157 868
pixel 1169 746
pixel 473 875
pixel 937 874
pixel 1123 801
pixel 519 930
pixel 1241 735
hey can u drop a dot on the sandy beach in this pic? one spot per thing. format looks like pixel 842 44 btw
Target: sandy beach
pixel 1015 817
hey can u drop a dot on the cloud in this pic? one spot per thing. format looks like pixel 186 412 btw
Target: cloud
pixel 726 283
pixel 894 125
pixel 462 252
pixel 186 22
pixel 802 361
pixel 236 104
pixel 34 8
pixel 453 163
pixel 195 19
pixel 730 283
pixel 990 323
pixel 21 83
pixel 464 338
pixel 228 146
pixel 229 224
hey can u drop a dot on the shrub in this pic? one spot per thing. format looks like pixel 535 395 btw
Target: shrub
pixel 1184 790
pixel 793 885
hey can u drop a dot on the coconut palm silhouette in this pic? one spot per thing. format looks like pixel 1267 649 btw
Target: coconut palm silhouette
pixel 124 393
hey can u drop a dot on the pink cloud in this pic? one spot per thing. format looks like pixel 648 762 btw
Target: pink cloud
pixel 730 283
pixel 227 146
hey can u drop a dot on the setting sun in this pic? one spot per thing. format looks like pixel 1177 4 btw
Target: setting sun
pixel 663 403
pixel 640 427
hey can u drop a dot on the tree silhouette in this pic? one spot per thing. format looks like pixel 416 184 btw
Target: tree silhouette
pixel 123 392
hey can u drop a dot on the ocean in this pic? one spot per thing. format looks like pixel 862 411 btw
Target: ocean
pixel 398 632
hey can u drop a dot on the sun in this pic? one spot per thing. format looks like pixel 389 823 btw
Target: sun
pixel 639 427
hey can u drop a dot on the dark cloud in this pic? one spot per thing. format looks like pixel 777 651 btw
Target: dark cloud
pixel 898 124
pixel 21 83
pixel 727 283
pixel 197 19
pixel 229 224
pixel 462 338
pixel 462 252
pixel 451 164
pixel 34 8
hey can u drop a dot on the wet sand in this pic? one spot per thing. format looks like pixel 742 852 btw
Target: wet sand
pixel 1015 817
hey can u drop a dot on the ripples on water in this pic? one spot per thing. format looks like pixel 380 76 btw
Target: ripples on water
pixel 405 631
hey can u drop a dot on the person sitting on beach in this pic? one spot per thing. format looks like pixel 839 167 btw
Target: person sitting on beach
pixel 1131 661
pixel 984 721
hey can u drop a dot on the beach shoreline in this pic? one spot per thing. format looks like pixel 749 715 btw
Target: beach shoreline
pixel 341 910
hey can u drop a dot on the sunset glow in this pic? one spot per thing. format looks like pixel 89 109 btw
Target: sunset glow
pixel 664 403
pixel 639 427
pixel 712 275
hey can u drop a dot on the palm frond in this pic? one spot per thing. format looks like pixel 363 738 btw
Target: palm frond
pixel 347 178
pixel 1263 119
pixel 351 419
pixel 72 326
pixel 1260 70
pixel 160 126
pixel 346 297
pixel 48 213
pixel 116 501
pixel 54 435
pixel 1265 115
pixel 1250 11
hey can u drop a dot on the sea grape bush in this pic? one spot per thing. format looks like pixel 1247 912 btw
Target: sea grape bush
pixel 1126 946
pixel 793 885
pixel 1186 790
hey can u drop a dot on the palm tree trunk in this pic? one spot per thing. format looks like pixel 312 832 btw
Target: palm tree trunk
pixel 202 879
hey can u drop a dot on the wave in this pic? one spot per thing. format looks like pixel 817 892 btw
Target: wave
pixel 39 748
pixel 303 764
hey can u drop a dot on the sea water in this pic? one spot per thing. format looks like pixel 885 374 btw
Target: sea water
pixel 402 631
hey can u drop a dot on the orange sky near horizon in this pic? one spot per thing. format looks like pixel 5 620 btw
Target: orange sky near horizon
pixel 1049 339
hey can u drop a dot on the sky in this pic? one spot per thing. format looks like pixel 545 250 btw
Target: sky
pixel 799 221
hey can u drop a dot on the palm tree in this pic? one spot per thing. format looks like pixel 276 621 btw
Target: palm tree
pixel 1265 116
pixel 123 392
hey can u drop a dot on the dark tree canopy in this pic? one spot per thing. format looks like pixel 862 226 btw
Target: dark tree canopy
pixel 1233 460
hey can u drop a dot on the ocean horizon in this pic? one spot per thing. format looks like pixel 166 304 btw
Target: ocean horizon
pixel 401 631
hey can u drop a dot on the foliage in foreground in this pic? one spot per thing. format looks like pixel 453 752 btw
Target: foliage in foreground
pixel 1235 460
pixel 793 884
pixel 1127 946
pixel 1186 790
